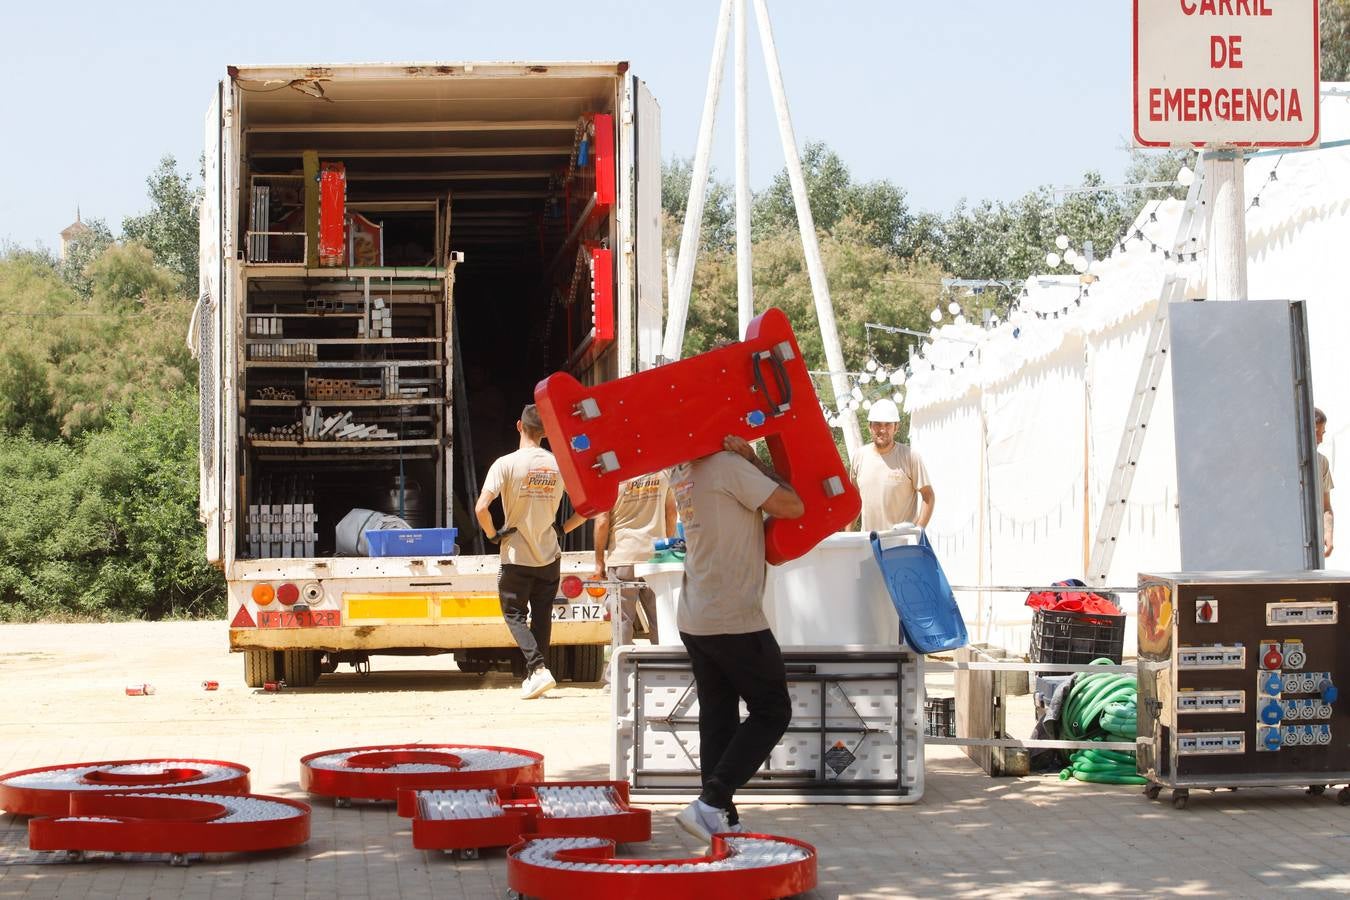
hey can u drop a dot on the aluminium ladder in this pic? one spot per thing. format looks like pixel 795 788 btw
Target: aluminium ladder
pixel 1145 392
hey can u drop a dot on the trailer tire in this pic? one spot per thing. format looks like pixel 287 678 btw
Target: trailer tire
pixel 300 668
pixel 588 662
pixel 558 661
pixel 259 666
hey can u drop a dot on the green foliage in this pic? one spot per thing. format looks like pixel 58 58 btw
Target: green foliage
pixel 169 229
pixel 878 209
pixel 1334 31
pixel 719 212
pixel 67 364
pixel 106 527
pixel 82 251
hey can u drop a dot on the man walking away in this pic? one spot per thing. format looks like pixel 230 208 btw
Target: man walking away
pixel 643 514
pixel 722 501
pixel 531 489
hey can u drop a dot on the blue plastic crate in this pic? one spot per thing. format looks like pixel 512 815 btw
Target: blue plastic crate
pixel 411 542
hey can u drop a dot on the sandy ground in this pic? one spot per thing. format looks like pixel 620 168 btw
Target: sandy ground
pixel 62 701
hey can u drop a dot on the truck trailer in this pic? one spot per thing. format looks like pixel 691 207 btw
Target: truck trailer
pixel 391 257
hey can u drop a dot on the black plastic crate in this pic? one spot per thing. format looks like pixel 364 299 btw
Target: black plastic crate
pixel 1073 637
pixel 939 716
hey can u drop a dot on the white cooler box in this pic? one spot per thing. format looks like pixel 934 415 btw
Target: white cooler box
pixel 833 595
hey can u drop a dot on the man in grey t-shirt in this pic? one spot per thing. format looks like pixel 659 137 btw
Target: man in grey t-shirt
pixel 722 499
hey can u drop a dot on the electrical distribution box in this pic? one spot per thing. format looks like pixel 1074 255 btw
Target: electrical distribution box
pixel 1239 680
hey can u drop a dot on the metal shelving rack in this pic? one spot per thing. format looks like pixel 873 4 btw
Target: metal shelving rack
pixel 419 301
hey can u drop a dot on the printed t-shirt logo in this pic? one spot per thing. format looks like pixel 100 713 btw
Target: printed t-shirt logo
pixel 539 483
pixel 642 488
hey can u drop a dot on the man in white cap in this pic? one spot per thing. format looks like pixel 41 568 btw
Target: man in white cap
pixel 890 475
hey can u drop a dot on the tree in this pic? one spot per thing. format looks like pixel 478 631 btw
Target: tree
pixel 1334 29
pixel 81 252
pixel 719 211
pixel 170 228
pixel 25 397
pixel 879 210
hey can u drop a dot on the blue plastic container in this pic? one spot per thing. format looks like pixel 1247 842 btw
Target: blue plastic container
pixel 929 616
pixel 411 542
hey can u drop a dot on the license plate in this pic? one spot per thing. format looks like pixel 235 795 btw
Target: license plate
pixel 578 612
pixel 300 618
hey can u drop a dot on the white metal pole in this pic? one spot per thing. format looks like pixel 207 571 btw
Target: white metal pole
pixel 745 299
pixel 1225 195
pixel 820 289
pixel 672 346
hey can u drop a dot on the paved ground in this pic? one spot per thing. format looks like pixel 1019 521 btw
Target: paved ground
pixel 62 701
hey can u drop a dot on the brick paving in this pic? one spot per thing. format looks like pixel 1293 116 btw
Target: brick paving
pixel 970 836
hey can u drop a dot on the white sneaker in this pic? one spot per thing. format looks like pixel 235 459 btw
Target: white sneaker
pixel 703 821
pixel 539 682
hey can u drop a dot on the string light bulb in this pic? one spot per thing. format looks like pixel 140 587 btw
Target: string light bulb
pixel 954 308
pixel 871 365
pixel 898 377
pixel 1062 242
pixel 936 314
pixel 1052 260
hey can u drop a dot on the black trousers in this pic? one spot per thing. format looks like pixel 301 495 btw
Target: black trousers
pixel 729 668
pixel 529 590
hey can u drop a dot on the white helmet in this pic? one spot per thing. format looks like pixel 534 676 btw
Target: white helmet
pixel 883 411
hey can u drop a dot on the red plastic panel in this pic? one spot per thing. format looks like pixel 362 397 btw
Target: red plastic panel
pixel 173 823
pixel 744 866
pixel 758 388
pixel 466 819
pixel 606 182
pixel 332 214
pixel 47 791
pixel 602 296
pixel 379 773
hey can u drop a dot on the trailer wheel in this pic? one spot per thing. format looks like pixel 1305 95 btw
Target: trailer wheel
pixel 259 666
pixel 558 661
pixel 588 662
pixel 300 667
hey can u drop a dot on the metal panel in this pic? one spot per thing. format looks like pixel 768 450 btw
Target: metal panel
pixel 650 259
pixel 210 298
pixel 856 734
pixel 1242 467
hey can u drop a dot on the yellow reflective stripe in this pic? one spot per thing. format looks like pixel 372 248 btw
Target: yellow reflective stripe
pixel 469 605
pixel 387 606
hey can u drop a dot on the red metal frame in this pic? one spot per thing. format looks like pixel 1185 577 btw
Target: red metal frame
pixel 51 799
pixel 606 183
pixel 683 410
pixel 151 823
pixel 332 214
pixel 632 878
pixel 350 782
pixel 602 296
pixel 522 815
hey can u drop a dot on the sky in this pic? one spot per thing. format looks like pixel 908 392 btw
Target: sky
pixel 961 99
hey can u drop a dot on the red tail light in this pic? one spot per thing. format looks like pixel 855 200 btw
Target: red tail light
pixel 571 587
pixel 288 594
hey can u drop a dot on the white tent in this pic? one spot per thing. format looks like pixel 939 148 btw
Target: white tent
pixel 1019 425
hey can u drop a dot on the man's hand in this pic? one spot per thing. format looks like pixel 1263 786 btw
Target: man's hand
pixel 598 575
pixel 739 446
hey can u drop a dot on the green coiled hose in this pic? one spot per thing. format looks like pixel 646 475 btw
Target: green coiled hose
pixel 1101 707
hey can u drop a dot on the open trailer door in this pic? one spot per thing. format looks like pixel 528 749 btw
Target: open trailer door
pixel 641 270
pixel 206 333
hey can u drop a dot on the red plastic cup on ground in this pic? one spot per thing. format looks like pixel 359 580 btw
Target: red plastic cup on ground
pixel 273 686
pixel 140 690
pixel 210 685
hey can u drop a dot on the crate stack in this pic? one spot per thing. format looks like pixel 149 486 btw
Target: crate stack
pixel 283 523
